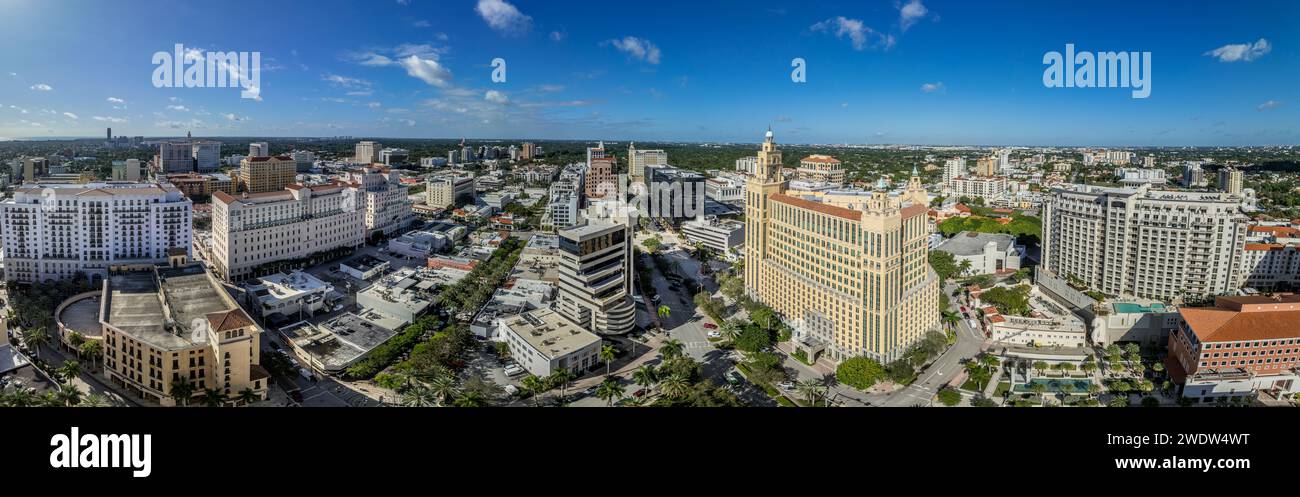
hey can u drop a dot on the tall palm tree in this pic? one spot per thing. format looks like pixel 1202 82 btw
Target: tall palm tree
pixel 181 391
pixel 964 267
pixel 729 330
pixel 609 391
pixel 607 356
pixel 418 396
pixel 950 318
pixel 561 378
pixel 94 400
pixel 247 396
pixel 470 398
pixel 672 348
pixel 213 397
pixel 69 396
pixel 444 389
pixel 811 390
pixel 536 385
pixel 69 370
pixel 644 376
pixel 35 338
pixel 674 386
pixel 93 349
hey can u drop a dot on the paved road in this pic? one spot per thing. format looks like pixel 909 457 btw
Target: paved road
pixel 969 344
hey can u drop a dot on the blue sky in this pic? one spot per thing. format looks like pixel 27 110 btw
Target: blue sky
pixel 916 71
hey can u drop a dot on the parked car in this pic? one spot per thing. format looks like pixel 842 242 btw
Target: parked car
pixel 734 378
pixel 714 334
pixel 640 393
pixel 514 370
pixel 710 326
pixel 785 385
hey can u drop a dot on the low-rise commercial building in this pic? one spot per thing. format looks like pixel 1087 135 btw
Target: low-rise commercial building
pixel 988 253
pixel 542 342
pixel 722 236
pixel 1240 347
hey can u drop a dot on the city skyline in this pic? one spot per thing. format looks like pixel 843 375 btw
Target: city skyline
pixel 888 72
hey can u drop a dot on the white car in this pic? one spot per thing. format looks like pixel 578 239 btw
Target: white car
pixel 715 334
pixel 514 370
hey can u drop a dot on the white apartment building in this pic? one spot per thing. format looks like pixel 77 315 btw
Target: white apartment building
pixel 725 189
pixel 1143 242
pixel 174 157
pixel 1270 266
pixel 51 232
pixel 383 199
pixel 1132 176
pixel 747 165
pixel 259 149
pixel 954 168
pixel 252 232
pixel 207 155
pixel 638 159
pixel 990 189
pixel 1194 175
pixel 367 152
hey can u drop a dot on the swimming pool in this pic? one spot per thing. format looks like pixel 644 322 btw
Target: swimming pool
pixel 1130 308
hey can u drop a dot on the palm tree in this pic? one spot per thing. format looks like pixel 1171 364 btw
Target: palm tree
pixel 607 356
pixel 561 378
pixel 470 398
pixel 674 386
pixel 950 318
pixel 664 312
pixel 247 396
pixel 69 370
pixel 94 400
pixel 672 348
pixel 964 267
pixel 811 390
pixel 609 391
pixel 729 330
pixel 1039 389
pixel 18 398
pixel 444 389
pixel 418 396
pixel 69 396
pixel 75 340
pixel 181 391
pixel 35 338
pixel 644 376
pixel 213 397
pixel 536 385
pixel 93 349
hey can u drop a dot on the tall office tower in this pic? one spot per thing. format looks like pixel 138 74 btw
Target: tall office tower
pixel 1194 176
pixel 954 168
pixel 1004 160
pixel 637 160
pixel 303 160
pixel 985 166
pixel 367 152
pixel 127 170
pixel 453 157
pixel 255 234
pixel 109 136
pixel 206 155
pixel 267 174
pixel 1230 179
pixel 822 169
pixel 448 189
pixel 596 152
pixel 383 200
pixel 34 167
pixel 847 269
pixel 596 276
pixel 529 151
pixel 53 231
pixel 187 325
pixel 1143 242
pixel 747 165
pixel 174 157
pixel 601 181
pixel 259 149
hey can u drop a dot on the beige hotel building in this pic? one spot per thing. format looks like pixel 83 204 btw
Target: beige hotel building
pixel 847 269
pixel 267 174
pixel 253 231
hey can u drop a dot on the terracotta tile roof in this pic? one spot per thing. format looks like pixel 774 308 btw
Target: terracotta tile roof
pixel 1216 324
pixel 962 208
pixel 1264 246
pixel 1282 231
pixel 229 320
pixel 832 210
pixel 997 319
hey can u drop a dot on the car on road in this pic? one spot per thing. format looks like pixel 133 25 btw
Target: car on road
pixel 638 299
pixel 588 392
pixel 785 385
pixel 715 334
pixel 710 326
pixel 656 299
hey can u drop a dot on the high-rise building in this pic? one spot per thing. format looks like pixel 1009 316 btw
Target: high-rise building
pixel 127 170
pixel 383 199
pixel 821 169
pixel 367 152
pixel 528 151
pixel 53 231
pixel 206 155
pixel 1143 242
pixel 1230 179
pixel 847 269
pixel 259 149
pixel 954 168
pixel 109 135
pixel 174 157
pixel 1194 175
pixel 267 174
pixel 450 189
pixel 1004 160
pixel 601 181
pixel 747 165
pixel 637 161
pixel 991 189
pixel 187 326
pixel 391 156
pixel 251 233
pixel 596 276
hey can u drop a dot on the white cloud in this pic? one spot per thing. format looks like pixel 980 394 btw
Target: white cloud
pixel 374 105
pixel 933 87
pixel 70 115
pixel 421 23
pixel 345 81
pixel 41 87
pixel 233 118
pixel 109 119
pixel 859 35
pixel 637 48
pixel 1269 105
pixel 503 17
pixel 174 99
pixel 427 70
pixel 374 59
pixel 360 93
pixel 1245 52
pixel 116 100
pixel 557 36
pixel 178 108
pixel 550 88
pixel 910 13
pixel 496 97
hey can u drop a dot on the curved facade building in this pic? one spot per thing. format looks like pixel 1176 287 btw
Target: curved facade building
pixel 595 277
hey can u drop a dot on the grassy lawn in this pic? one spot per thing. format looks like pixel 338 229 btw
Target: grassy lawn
pixel 1003 388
